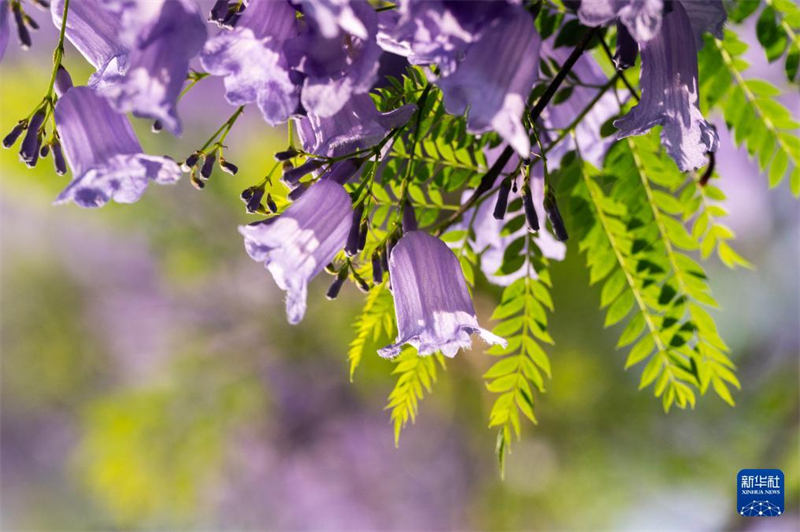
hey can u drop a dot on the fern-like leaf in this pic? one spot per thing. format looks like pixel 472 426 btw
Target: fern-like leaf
pixel 416 375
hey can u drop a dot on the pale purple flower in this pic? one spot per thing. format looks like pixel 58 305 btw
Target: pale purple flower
pixel 162 35
pixel 298 244
pixel 432 304
pixel 493 82
pixel 706 16
pixel 251 59
pixel 641 17
pixel 95 31
pixel 105 157
pixel 670 94
pixel 5 31
pixel 333 15
pixel 339 66
pixel 436 31
pixel 357 125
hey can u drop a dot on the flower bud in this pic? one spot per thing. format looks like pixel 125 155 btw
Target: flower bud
pixel 44 151
pixel 197 182
pixel 255 200
pixel 208 166
pixel 530 210
pixel 29 153
pixel 190 162
pixel 227 167
pixel 271 204
pixel 58 158
pixel 218 12
pixel 336 285
pixel 502 200
pixel 12 137
pixel 282 156
pixel 157 126
pixel 362 235
pixel 554 215
pixel 63 81
pixel 353 238
pixel 22 31
pixel 377 268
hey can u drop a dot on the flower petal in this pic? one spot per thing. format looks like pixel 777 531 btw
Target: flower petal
pixel 92 29
pixel 670 95
pixel 297 245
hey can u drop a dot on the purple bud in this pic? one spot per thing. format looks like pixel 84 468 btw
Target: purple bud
pixel 295 194
pixel 247 194
pixel 44 151
pixel 530 210
pixel 63 81
pixel 271 204
pixel 385 260
pixel 285 155
pixel 29 153
pixel 208 166
pixel 362 235
pixel 502 200
pixel 291 177
pixel 58 159
pixel 157 126
pixel 228 168
pixel 22 31
pixel 353 238
pixel 377 268
pixel 197 182
pixel 12 137
pixel 554 215
pixel 255 201
pixel 360 282
pixel 190 162
pixel 32 23
pixel 336 285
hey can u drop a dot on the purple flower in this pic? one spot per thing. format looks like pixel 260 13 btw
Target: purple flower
pixel 162 36
pixel 297 245
pixel 356 126
pixel 493 82
pixel 5 31
pixel 670 94
pixel 95 32
pixel 435 32
pixel 641 17
pixel 433 307
pixel 708 16
pixel 331 15
pixel 252 61
pixel 336 66
pixel 106 159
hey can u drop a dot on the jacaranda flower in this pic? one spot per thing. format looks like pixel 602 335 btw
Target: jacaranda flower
pixel 162 35
pixel 95 31
pixel 432 304
pixel 335 67
pixel 299 243
pixel 333 15
pixel 493 82
pixel 356 126
pixel 251 59
pixel 105 157
pixel 435 32
pixel 670 94
pixel 642 18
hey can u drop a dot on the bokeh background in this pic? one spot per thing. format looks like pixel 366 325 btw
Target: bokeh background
pixel 150 381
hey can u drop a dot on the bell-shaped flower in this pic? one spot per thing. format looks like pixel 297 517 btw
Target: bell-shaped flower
pixel 641 17
pixel 356 126
pixel 432 304
pixel 298 244
pixel 670 94
pixel 102 150
pixel 333 15
pixel 435 32
pixel 335 67
pixel 251 59
pixel 493 82
pixel 5 31
pixel 162 35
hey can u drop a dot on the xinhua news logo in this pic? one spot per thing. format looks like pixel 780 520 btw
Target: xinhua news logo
pixel 760 492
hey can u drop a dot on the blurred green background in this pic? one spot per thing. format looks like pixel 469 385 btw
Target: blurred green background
pixel 150 381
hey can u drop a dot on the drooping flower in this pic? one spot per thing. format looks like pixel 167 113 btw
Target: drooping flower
pixel 95 31
pixel 493 82
pixel 336 65
pixel 670 94
pixel 162 35
pixel 435 32
pixel 333 15
pixel 105 157
pixel 251 59
pixel 641 17
pixel 5 31
pixel 299 243
pixel 432 304
pixel 356 126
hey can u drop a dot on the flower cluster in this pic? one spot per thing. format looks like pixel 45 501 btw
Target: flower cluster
pixel 316 64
